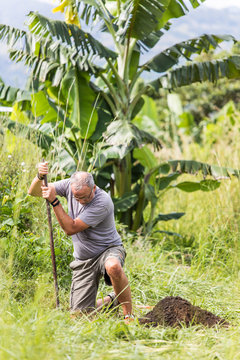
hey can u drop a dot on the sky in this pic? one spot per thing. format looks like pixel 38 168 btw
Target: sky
pixel 217 4
pixel 220 4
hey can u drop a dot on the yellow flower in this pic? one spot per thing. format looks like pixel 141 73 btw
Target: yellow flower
pixel 71 14
pixel 61 7
pixel 75 21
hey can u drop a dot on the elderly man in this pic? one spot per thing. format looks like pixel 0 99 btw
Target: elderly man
pixel 98 249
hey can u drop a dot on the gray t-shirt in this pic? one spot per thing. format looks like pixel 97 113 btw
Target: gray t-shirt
pixel 98 214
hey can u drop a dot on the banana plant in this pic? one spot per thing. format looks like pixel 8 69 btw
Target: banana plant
pixel 87 95
pixel 152 180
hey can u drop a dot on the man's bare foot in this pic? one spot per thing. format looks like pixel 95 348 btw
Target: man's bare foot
pixel 128 319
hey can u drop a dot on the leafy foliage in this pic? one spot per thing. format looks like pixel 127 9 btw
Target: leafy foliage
pixel 86 114
pixel 25 250
pixel 9 203
pixel 9 95
pixel 170 57
pixel 199 72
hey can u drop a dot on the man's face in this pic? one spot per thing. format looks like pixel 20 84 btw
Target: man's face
pixel 85 195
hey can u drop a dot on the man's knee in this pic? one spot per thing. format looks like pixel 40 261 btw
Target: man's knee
pixel 113 267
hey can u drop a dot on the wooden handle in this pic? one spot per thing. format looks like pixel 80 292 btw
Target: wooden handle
pixel 54 268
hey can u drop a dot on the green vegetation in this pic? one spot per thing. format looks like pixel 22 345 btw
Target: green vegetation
pixel 193 108
pixel 201 266
pixel 83 99
pixel 80 115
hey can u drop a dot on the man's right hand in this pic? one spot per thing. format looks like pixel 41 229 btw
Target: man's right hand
pixel 43 168
pixel 48 192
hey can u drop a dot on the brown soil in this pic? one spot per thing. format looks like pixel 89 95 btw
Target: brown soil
pixel 175 311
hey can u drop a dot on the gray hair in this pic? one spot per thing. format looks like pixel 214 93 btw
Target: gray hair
pixel 80 179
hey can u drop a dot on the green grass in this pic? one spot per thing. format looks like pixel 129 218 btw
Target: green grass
pixel 202 266
pixel 35 330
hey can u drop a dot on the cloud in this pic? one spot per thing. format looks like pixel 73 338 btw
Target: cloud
pixel 49 2
pixel 220 4
pixel 3 49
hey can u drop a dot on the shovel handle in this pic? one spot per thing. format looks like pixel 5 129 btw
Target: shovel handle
pixel 54 268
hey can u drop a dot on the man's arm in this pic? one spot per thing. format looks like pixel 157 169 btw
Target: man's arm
pixel 35 188
pixel 69 225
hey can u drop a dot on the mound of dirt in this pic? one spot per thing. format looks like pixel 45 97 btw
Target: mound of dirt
pixel 175 311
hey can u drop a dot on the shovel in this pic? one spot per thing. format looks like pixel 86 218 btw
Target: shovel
pixel 54 269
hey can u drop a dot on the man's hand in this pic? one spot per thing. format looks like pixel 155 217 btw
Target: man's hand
pixel 48 192
pixel 43 168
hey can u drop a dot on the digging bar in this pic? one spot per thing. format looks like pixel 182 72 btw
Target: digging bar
pixel 54 269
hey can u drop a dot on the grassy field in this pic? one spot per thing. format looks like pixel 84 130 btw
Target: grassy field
pixel 202 266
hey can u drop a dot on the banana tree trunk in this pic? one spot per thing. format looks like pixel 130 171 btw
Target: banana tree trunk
pixel 149 225
pixel 139 212
pixel 123 178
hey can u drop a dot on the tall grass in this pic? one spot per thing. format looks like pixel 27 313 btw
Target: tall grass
pixel 202 266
